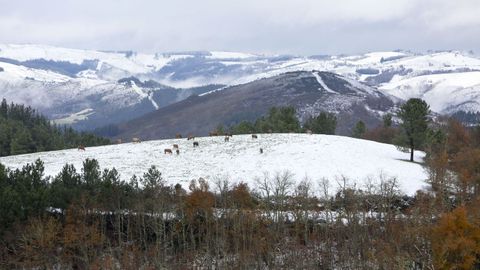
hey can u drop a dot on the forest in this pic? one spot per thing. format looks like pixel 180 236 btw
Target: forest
pixel 23 130
pixel 93 219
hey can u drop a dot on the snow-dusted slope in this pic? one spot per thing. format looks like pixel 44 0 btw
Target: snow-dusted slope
pixel 444 92
pixel 314 156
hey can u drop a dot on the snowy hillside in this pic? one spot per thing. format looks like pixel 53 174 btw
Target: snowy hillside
pixel 314 156
pixel 63 83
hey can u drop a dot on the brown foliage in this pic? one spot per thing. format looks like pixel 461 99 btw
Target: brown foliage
pixel 456 241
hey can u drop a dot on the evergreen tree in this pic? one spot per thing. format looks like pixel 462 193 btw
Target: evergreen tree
pixel 324 123
pixel 23 130
pixel 414 116
pixel 359 130
pixel 387 120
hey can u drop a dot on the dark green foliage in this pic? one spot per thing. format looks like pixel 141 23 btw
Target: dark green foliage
pixel 23 193
pixel 278 120
pixel 387 120
pixel 359 130
pixel 23 130
pixel 324 123
pixel 414 116
pixel 243 127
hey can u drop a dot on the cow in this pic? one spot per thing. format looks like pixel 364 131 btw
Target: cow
pixel 175 146
pixel 177 151
pixel 261 150
pixel 229 134
pixel 227 138
pixel 178 136
pixel 309 132
pixel 195 144
pixel 191 137
pixel 254 136
pixel 167 151
pixel 81 148
pixel 213 133
pixel 136 140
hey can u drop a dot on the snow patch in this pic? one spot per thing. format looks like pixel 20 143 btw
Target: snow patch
pixel 322 83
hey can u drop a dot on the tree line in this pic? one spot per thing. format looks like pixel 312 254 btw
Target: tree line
pixel 284 120
pixel 23 130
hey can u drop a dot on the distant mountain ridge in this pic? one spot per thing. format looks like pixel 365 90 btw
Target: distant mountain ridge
pixel 310 92
pixel 90 88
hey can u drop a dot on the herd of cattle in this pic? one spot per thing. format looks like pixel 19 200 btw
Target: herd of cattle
pixel 189 137
pixel 175 147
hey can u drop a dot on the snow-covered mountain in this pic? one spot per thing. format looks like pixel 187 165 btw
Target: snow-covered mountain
pixel 312 156
pixel 97 88
pixel 309 92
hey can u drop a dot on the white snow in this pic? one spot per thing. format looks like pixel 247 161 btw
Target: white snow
pixel 81 115
pixel 315 156
pixel 322 83
pixel 440 91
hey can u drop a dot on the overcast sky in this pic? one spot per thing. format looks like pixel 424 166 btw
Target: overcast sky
pixel 302 27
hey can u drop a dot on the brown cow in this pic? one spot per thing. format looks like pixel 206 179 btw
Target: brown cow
pixel 178 136
pixel 213 133
pixel 254 136
pixel 136 140
pixel 81 148
pixel 195 144
pixel 227 138
pixel 175 146
pixel 191 137
pixel 167 151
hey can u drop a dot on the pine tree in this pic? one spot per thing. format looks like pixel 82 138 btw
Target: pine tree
pixel 324 123
pixel 359 130
pixel 414 116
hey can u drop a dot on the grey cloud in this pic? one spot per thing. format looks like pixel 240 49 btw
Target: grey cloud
pixel 268 26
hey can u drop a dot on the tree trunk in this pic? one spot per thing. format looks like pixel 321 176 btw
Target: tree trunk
pixel 412 148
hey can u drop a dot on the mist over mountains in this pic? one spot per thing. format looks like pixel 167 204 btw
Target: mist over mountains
pixel 90 89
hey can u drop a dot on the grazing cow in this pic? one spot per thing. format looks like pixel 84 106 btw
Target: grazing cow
pixel 190 137
pixel 81 148
pixel 261 150
pixel 175 146
pixel 195 144
pixel 227 138
pixel 167 151
pixel 178 136
pixel 254 136
pixel 136 140
pixel 177 151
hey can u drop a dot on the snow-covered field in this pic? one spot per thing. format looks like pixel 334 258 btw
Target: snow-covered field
pixel 314 156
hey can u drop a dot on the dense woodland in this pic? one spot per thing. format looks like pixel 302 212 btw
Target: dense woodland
pixel 23 130
pixel 95 219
